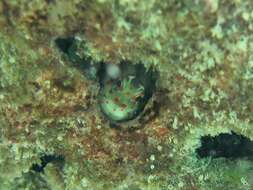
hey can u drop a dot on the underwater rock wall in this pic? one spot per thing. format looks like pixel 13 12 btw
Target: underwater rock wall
pixel 76 114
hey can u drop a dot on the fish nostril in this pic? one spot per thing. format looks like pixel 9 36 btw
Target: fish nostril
pixel 113 71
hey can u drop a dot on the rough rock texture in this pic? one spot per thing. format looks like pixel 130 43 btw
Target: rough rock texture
pixel 53 135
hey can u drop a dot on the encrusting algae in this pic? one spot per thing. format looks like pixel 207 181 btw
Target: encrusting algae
pixel 126 94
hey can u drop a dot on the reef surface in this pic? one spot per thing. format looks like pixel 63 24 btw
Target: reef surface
pixel 126 95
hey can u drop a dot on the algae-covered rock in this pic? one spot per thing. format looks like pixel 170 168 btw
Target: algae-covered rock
pixel 126 94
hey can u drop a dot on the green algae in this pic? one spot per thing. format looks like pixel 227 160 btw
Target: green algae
pixel 202 51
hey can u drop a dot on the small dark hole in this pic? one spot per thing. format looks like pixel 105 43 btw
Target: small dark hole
pixel 64 43
pixel 226 145
pixel 59 160
pixel 114 126
pixel 66 87
pixel 74 51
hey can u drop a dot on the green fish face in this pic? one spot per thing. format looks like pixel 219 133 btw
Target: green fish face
pixel 124 97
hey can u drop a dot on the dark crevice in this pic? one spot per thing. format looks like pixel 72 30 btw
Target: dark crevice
pixel 7 12
pixel 114 126
pixel 125 88
pixel 78 54
pixel 226 145
pixel 64 84
pixel 58 160
pixel 64 44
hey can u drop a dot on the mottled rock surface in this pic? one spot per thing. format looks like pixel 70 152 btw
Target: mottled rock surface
pixel 53 135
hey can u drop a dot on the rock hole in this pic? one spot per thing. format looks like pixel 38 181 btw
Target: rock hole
pixel 78 54
pixel 64 44
pixel 125 90
pixel 44 160
pixel 226 145
pixel 64 84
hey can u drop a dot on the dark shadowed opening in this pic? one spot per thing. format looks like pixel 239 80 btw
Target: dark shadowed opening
pixel 76 52
pixel 226 145
pixel 59 160
pixel 64 43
